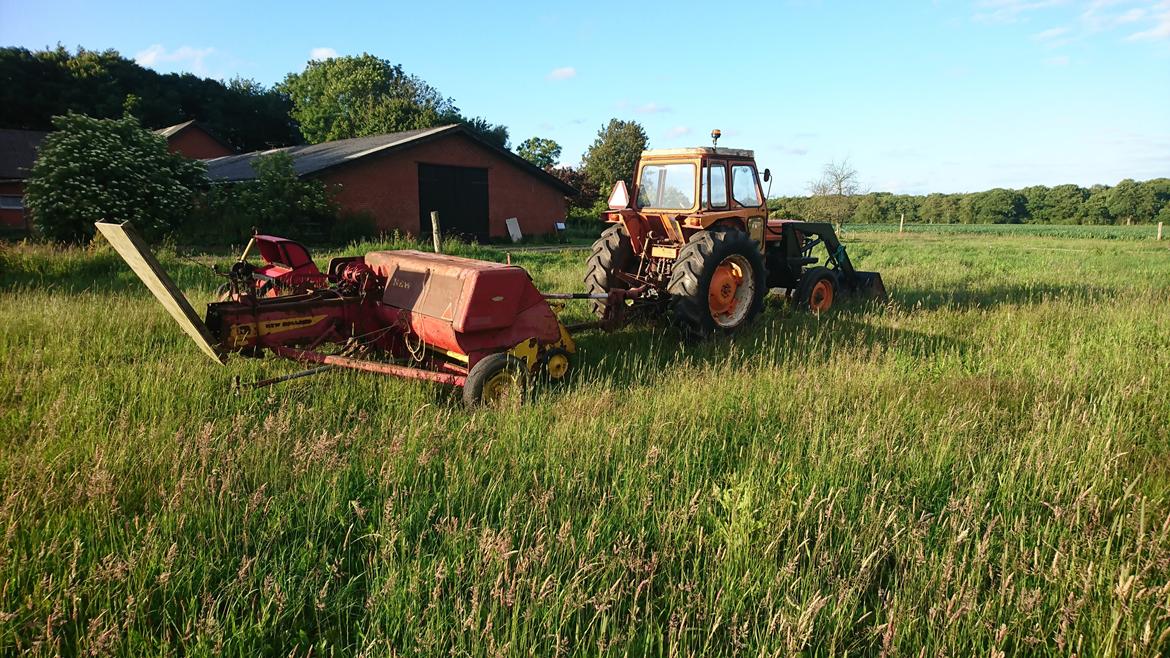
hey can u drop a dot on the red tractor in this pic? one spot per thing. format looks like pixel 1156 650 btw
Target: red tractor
pixel 694 237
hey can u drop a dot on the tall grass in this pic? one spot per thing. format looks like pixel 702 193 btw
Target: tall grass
pixel 980 467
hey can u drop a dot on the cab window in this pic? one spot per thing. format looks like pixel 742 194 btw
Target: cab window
pixel 744 189
pixel 717 175
pixel 667 186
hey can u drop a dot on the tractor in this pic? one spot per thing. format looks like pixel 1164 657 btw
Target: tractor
pixel 694 238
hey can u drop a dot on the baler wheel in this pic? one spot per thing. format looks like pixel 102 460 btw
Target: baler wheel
pixel 817 290
pixel 611 253
pixel 717 283
pixel 555 364
pixel 494 380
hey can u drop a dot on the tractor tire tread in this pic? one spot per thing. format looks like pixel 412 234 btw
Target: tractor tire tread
pixel 602 261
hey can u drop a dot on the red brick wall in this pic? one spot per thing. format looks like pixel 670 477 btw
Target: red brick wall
pixel 12 219
pixel 194 143
pixel 387 187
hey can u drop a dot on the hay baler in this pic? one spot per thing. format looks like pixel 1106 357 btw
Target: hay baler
pixel 479 325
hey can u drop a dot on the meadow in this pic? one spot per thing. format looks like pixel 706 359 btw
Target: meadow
pixel 979 467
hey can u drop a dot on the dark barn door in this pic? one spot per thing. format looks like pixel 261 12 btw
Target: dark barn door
pixel 460 194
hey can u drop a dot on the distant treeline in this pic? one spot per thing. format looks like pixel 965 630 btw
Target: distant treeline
pixel 1128 202
pixel 103 84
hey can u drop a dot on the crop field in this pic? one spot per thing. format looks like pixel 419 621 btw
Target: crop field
pixel 979 467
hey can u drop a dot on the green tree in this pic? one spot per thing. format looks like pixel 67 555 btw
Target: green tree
pixel 109 169
pixel 543 153
pixel 998 206
pixel 1130 202
pixel 614 154
pixel 355 96
pixel 1065 205
pixel 277 201
pixel 43 84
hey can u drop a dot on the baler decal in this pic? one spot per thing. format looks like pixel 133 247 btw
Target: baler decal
pixel 241 334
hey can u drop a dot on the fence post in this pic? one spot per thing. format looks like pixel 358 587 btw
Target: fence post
pixel 435 232
pixel 902 223
pixel 1159 230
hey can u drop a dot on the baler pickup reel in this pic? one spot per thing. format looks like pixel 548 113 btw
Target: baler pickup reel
pixel 474 324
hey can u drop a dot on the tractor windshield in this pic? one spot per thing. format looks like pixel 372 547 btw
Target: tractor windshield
pixel 667 186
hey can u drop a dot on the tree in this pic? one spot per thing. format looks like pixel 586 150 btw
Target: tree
pixel 277 201
pixel 832 193
pixel 587 193
pixel 43 84
pixel 997 206
pixel 614 154
pixel 355 96
pixel 543 153
pixel 108 169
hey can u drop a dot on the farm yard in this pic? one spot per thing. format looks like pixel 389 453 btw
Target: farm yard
pixel 979 467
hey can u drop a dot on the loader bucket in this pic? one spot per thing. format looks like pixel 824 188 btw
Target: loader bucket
pixel 869 284
pixel 134 250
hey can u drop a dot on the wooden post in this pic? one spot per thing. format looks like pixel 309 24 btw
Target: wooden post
pixel 902 223
pixel 1159 230
pixel 435 232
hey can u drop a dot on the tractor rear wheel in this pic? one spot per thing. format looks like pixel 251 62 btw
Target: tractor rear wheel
pixel 717 283
pixel 817 290
pixel 612 253
pixel 494 380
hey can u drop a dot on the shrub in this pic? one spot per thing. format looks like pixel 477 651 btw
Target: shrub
pixel 108 169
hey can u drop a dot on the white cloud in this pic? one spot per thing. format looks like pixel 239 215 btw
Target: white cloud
pixel 792 150
pixel 1161 27
pixel 651 108
pixel 1010 11
pixel 562 73
pixel 1061 60
pixel 678 131
pixel 1048 35
pixel 322 53
pixel 183 57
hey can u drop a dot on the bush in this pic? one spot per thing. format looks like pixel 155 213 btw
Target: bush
pixel 108 169
pixel 276 201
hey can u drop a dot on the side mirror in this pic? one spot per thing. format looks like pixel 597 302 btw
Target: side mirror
pixel 767 175
pixel 619 198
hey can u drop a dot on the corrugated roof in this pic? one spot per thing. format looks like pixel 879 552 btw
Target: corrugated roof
pixel 313 158
pixel 18 151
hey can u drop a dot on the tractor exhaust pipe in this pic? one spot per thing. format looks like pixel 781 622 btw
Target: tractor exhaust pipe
pixel 134 250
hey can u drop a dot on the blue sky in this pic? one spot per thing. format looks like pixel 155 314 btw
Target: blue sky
pixel 944 95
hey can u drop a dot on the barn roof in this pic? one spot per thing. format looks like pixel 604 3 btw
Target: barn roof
pixel 310 159
pixel 18 152
pixel 171 131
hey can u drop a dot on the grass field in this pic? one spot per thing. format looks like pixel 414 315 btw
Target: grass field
pixel 981 467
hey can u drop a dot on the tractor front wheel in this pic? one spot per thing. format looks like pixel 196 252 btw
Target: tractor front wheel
pixel 817 290
pixel 494 380
pixel 612 253
pixel 717 283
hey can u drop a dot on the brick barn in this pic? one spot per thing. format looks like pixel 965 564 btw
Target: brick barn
pixel 399 178
pixel 194 141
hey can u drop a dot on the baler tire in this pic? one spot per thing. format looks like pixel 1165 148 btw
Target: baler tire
pixel 611 253
pixel 485 370
pixel 807 285
pixel 690 280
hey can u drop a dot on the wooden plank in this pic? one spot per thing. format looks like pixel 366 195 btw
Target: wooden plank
pixel 134 250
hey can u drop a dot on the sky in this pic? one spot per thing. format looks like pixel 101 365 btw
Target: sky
pixel 918 96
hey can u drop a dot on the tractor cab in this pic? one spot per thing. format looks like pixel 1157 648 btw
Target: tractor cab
pixel 697 187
